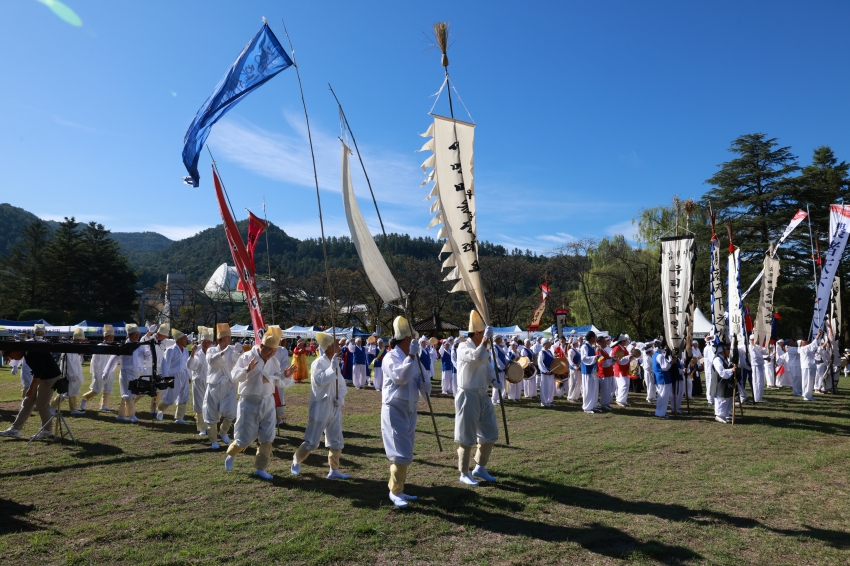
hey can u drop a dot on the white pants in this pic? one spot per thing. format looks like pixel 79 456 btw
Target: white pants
pixel 709 381
pixel 220 402
pixel 515 391
pixel 758 384
pixel 255 420
pixel 574 389
pixel 378 377
pixel 797 381
pixel 529 387
pixel 622 389
pixel 820 376
pixel 475 419
pixel 589 391
pixel 495 394
pixel 808 383
pixel 446 381
pixel 606 391
pixel 179 394
pixel 547 389
pixel 398 430
pixel 769 374
pixel 649 381
pixel 723 407
pixel 664 391
pixel 330 424
pixel 690 381
pixel 358 376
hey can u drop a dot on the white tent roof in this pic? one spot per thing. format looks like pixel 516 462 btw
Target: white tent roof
pixel 701 324
pixel 223 280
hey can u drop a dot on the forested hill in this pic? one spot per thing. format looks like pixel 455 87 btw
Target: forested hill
pixel 153 255
pixel 199 255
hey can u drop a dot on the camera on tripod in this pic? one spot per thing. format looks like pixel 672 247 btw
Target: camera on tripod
pixel 151 384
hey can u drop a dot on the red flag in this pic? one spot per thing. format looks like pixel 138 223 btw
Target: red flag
pixel 255 228
pixel 244 266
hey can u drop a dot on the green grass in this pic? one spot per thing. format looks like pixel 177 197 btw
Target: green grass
pixel 602 489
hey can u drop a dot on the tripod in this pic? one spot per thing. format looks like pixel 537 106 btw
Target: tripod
pixel 61 428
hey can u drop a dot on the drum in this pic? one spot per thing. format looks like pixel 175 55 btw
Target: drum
pixel 559 366
pixel 529 370
pixel 433 341
pixel 514 372
pixel 371 340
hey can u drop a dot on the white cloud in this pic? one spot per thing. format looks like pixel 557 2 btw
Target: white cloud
pixel 286 157
pixel 170 232
pixel 625 228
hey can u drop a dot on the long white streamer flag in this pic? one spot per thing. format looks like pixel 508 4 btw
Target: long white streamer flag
pixel 798 218
pixel 839 218
pixel 736 304
pixel 373 262
pixel 717 311
pixel 764 316
pixel 677 269
pixel 452 142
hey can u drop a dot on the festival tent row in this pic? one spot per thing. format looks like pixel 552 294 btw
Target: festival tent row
pixel 91 328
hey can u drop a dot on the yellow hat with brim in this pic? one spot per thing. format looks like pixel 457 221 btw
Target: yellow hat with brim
pixel 223 329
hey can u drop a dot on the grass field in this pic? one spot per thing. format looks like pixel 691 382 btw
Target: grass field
pixel 574 488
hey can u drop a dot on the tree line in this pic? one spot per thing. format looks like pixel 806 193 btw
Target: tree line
pixel 609 282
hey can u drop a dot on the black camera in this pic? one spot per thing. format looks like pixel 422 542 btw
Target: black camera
pixel 151 384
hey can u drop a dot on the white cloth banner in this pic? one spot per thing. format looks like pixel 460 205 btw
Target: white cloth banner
pixel 373 262
pixel 764 316
pixel 718 313
pixel 839 224
pixel 677 268
pixel 798 217
pixel 736 315
pixel 452 144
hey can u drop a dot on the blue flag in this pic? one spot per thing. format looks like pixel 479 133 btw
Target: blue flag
pixel 261 59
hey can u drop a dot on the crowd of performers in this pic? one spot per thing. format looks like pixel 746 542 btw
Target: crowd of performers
pixel 242 385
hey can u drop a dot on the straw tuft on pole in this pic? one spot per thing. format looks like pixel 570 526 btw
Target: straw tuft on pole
pixel 441 34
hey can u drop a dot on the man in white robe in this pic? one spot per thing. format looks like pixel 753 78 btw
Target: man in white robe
pixel 648 372
pixel 403 384
pixel 589 377
pixel 475 419
pixel 547 378
pixel 808 366
pixel 101 382
pixel 175 364
pixel 159 336
pixel 220 396
pixel 529 386
pixel 72 369
pixel 707 360
pixel 574 359
pixel 197 364
pixel 757 365
pixel 327 397
pixel 723 390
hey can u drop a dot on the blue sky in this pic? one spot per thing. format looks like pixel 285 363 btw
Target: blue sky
pixel 586 112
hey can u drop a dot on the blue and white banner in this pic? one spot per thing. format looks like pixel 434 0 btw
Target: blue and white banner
pixel 839 224
pixel 261 59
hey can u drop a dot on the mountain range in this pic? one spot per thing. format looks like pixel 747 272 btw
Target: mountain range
pixel 153 255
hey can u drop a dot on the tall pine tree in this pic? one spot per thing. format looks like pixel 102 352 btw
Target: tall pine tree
pixel 23 278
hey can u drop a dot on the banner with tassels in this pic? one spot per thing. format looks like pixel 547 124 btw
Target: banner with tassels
pixel 452 144
pixel 678 255
pixel 715 276
pixel 764 314
pixel 736 306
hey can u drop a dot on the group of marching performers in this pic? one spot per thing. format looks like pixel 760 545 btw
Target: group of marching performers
pixel 243 387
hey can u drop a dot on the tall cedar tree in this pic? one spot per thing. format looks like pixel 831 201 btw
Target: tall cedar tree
pixel 23 278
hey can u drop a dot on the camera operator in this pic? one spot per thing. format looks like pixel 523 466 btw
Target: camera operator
pixel 45 374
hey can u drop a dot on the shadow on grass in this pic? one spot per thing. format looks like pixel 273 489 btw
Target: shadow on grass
pixel 12 518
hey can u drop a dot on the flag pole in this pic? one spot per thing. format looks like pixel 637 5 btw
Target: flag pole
pixel 318 196
pixel 390 254
pixel 441 31
pixel 268 255
pixel 814 267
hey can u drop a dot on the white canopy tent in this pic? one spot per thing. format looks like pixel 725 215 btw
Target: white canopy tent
pixel 702 325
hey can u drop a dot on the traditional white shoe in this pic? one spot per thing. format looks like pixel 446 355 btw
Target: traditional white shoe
pixel 11 433
pixel 159 415
pixel 720 420
pixel 180 421
pixel 409 497
pixel 481 472
pixel 590 412
pixel 398 501
pixel 263 475
pixel 295 469
pixel 337 475
pixel 42 435
pixel 202 433
pixel 82 406
pixel 225 438
pixel 134 419
pixel 105 408
pixel 77 412
pixel 228 463
pixel 468 479
pixel 214 445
